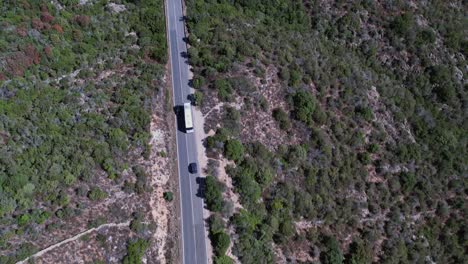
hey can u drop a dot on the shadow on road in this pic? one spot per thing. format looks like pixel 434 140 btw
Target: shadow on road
pixel 179 112
pixel 185 55
pixel 201 187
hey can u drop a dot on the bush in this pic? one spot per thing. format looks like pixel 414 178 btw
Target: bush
pixel 23 219
pixel 223 260
pixel 221 243
pixel 198 82
pixel 96 194
pixel 360 253
pixel 425 36
pixel 304 106
pixel 234 150
pixel 198 98
pixel 441 78
pixel 332 253
pixel 224 89
pixel 402 25
pixel 213 196
pixel 364 112
pixel 168 196
pixel 407 181
pixel 364 158
pixel 282 118
pixel 135 251
pixel 373 148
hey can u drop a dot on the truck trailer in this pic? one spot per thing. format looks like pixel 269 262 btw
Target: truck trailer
pixel 188 118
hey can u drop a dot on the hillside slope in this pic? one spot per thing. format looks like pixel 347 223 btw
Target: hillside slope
pixel 80 84
pixel 347 124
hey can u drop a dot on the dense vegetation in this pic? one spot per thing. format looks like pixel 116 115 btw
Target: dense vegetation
pixel 65 127
pixel 375 90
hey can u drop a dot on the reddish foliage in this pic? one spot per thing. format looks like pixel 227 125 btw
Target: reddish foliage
pixel 83 20
pixel 37 24
pixel 48 51
pixel 58 28
pixel 21 60
pixel 46 17
pixel 17 63
pixel 32 53
pixel 21 31
pixel 2 77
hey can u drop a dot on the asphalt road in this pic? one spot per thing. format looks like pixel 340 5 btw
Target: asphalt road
pixel 193 225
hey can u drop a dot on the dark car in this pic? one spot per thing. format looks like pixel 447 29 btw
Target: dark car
pixel 193 167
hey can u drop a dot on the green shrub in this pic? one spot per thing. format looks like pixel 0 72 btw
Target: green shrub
pixel 198 82
pixel 425 37
pixel 373 148
pixel 407 181
pixel 234 150
pixel 223 260
pixel 96 194
pixel 403 24
pixel 135 251
pixel 213 195
pixel 360 253
pixel 365 112
pixel 221 242
pixel 332 253
pixel 198 98
pixel 304 106
pixel 224 89
pixel 282 118
pixel 168 196
pixel 23 219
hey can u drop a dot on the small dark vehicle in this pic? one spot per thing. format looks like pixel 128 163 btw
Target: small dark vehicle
pixel 193 167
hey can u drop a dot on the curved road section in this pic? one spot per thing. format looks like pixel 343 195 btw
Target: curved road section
pixel 193 225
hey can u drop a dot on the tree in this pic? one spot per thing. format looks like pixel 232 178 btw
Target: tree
pixel 407 181
pixel 441 79
pixel 234 150
pixel 213 196
pixel 221 243
pixel 223 260
pixel 359 253
pixel 332 254
pixel 198 82
pixel 403 24
pixel 198 98
pixel 96 194
pixel 135 251
pixel 304 106
pixel 282 118
pixel 118 138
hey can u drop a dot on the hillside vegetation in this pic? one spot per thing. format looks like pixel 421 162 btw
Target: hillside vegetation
pixel 77 79
pixel 347 124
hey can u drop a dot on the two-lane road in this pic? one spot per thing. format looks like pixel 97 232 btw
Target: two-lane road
pixel 193 225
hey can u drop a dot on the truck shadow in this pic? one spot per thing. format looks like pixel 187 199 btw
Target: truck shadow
pixel 201 187
pixel 179 112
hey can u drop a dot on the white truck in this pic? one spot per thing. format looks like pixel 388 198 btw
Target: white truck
pixel 188 118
